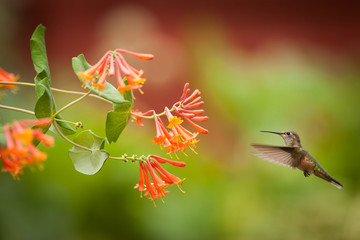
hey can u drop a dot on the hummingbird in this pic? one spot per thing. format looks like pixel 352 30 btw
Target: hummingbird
pixel 293 155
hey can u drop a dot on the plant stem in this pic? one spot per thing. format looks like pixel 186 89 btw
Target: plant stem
pixel 17 109
pixel 68 140
pixel 71 103
pixel 19 83
pixel 70 122
pixel 141 116
pixel 79 93
pixel 124 157
pixel 154 114
pixel 127 158
pixel 56 90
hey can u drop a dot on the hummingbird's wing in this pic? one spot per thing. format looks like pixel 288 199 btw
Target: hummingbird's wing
pixel 285 156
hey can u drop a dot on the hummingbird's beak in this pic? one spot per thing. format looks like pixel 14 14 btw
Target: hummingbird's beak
pixel 271 132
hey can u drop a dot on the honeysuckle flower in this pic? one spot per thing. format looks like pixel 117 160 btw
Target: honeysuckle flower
pixel 158 183
pixel 149 189
pixel 20 150
pixel 178 137
pixel 185 108
pixel 7 77
pixel 169 178
pixel 162 137
pixel 172 162
pixel 173 121
pixel 172 141
pixel 153 190
pixel 182 137
pixel 113 63
pixel 160 178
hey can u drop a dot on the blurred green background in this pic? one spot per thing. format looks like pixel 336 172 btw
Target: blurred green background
pixel 263 65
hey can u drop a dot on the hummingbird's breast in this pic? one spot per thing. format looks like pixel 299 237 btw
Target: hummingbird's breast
pixel 306 165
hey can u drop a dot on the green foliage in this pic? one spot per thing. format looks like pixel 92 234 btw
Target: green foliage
pixel 117 119
pixel 38 52
pixel 45 105
pixel 115 124
pixel 88 162
pixel 42 81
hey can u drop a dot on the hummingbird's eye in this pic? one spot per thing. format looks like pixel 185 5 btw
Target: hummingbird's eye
pixel 288 133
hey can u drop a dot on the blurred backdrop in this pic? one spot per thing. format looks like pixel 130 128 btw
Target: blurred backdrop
pixel 260 65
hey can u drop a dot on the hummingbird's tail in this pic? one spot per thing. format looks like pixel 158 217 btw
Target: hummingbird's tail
pixel 328 178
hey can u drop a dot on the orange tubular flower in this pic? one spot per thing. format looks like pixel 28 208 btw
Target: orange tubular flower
pixel 172 162
pixel 179 135
pixel 185 108
pixel 20 150
pixel 163 138
pixel 7 77
pixel 160 178
pixel 169 178
pixel 113 63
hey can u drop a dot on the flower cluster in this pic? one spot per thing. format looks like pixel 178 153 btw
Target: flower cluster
pixel 18 140
pixel 160 177
pixel 178 137
pixel 7 77
pixel 20 150
pixel 113 63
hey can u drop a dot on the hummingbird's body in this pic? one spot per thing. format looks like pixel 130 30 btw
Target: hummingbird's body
pixel 293 155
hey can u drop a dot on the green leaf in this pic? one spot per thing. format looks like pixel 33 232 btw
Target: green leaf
pixel 38 51
pixel 42 79
pixel 80 64
pixel 41 84
pixel 88 162
pixel 90 140
pixel 117 119
pixel 123 107
pixel 45 105
pixel 115 124
pixel 110 93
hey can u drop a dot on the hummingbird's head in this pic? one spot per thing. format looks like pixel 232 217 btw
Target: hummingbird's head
pixel 291 138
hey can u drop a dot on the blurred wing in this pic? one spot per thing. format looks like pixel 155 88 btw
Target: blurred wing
pixel 278 155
